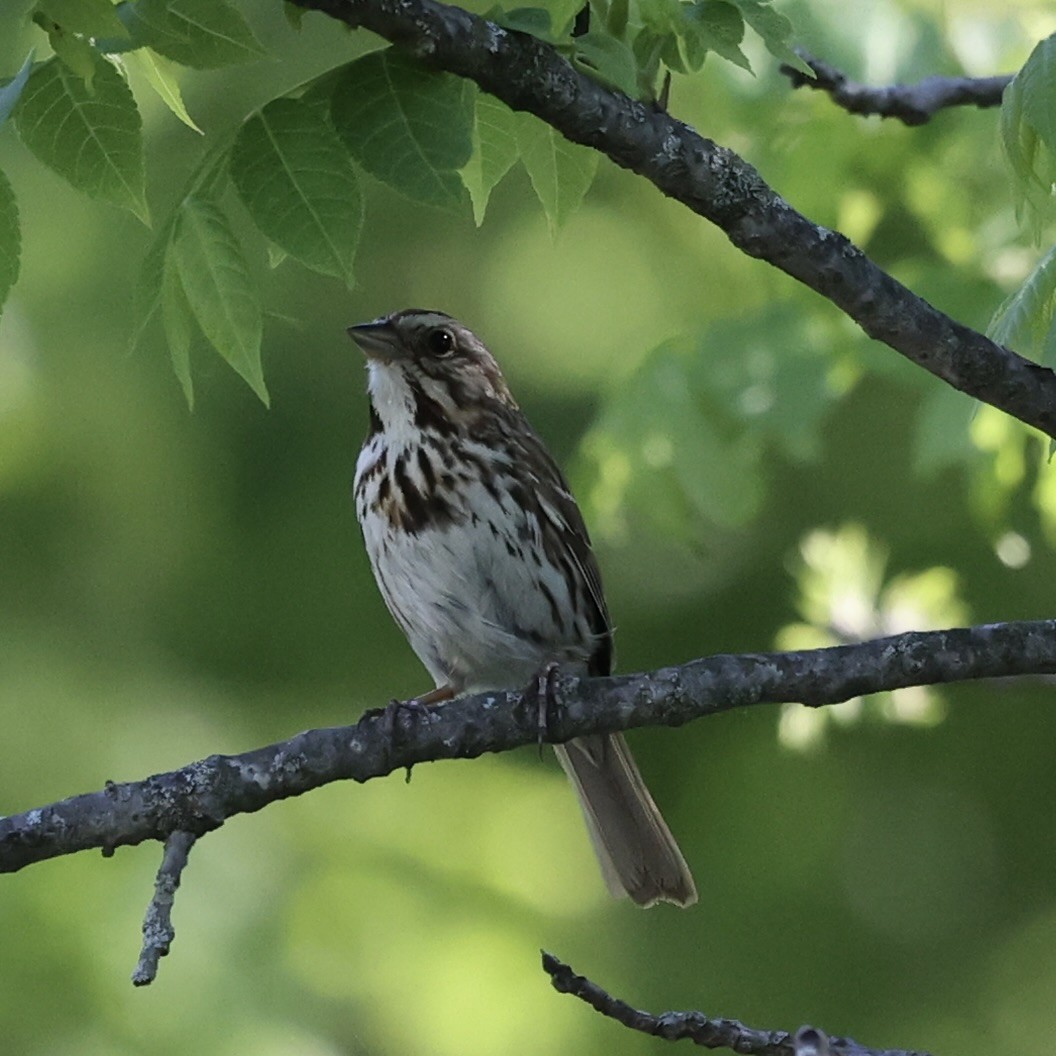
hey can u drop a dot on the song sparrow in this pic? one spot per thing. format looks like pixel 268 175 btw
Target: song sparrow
pixel 483 559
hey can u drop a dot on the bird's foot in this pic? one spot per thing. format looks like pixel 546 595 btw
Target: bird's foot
pixel 543 687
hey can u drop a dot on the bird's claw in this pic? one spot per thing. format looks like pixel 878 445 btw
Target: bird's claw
pixel 545 681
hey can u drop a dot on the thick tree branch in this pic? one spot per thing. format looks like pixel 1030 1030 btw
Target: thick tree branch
pixel 912 104
pixel 527 74
pixel 708 1032
pixel 199 797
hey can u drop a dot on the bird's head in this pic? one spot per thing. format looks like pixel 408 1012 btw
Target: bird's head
pixel 428 370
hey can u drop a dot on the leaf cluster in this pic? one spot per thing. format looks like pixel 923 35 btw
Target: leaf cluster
pixel 297 164
pixel 628 45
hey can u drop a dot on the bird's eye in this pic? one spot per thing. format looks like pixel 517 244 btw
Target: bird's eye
pixel 441 343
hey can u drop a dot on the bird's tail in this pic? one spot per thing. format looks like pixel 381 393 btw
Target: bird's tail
pixel 637 853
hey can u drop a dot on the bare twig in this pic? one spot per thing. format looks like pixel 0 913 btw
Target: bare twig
pixel 528 74
pixel 158 931
pixel 200 797
pixel 912 104
pixel 706 1031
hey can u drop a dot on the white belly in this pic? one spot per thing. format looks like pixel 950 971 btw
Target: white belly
pixel 478 616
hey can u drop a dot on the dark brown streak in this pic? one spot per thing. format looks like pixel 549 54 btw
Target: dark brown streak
pixel 410 507
pixel 375 425
pixel 555 611
pixel 429 415
pixel 425 464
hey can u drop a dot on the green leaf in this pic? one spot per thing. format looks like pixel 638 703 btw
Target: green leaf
pixel 147 297
pixel 1023 321
pixel 294 14
pixel 12 91
pixel 713 25
pixel 408 126
pixel 296 180
pixel 202 34
pixel 178 317
pixel 1028 133
pixel 90 18
pixel 561 172
pixel 661 16
pixel 775 29
pixel 532 20
pixel 160 74
pixel 219 288
pixel 77 55
pixel 616 19
pixel 648 47
pixel 92 139
pixel 10 239
pixel 1037 85
pixel 608 60
pixel 494 151
pixel 1019 139
pixel 205 183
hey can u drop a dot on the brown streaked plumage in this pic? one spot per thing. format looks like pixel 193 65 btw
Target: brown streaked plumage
pixel 483 559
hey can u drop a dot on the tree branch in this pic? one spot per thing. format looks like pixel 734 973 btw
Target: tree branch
pixel 528 74
pixel 201 796
pixel 710 1033
pixel 158 931
pixel 912 104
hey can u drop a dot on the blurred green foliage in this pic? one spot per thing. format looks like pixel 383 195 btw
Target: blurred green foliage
pixel 174 584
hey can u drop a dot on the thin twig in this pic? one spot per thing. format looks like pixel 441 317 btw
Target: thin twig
pixel 158 931
pixel 707 1031
pixel 912 104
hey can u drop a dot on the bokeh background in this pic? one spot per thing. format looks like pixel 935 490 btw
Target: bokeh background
pixel 174 584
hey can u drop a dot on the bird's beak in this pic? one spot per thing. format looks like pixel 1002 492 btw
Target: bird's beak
pixel 377 339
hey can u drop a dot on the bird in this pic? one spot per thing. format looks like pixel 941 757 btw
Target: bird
pixel 482 557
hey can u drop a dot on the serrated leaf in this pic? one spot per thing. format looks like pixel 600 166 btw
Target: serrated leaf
pixel 494 151
pixel 12 91
pixel 1020 153
pixel 160 74
pixel 202 34
pixel 408 126
pixel 219 288
pixel 776 31
pixel 93 140
pixel 147 296
pixel 608 60
pixel 205 182
pixel 561 172
pixel 713 25
pixel 10 240
pixel 91 18
pixel 1037 87
pixel 295 179
pixel 1024 318
pixel 178 318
